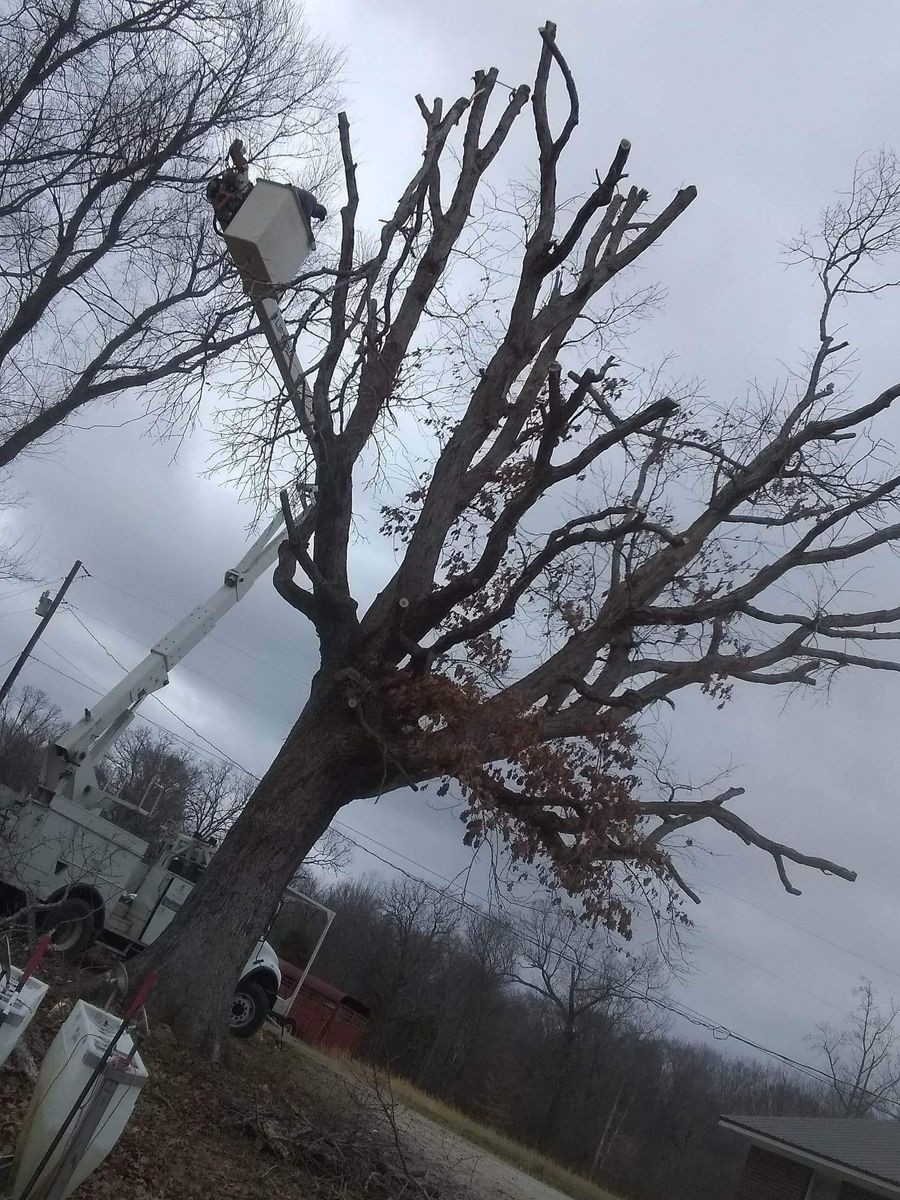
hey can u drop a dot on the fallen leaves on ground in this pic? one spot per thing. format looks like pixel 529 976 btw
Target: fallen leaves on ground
pixel 265 1123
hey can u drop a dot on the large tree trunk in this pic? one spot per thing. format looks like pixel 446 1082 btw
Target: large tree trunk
pixel 200 956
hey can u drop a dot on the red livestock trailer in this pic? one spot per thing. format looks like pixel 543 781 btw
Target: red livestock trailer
pixel 321 1014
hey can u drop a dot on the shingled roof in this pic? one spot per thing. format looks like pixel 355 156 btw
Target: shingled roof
pixel 869 1148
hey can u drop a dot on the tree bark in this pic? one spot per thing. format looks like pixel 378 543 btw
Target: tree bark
pixel 551 1115
pixel 201 955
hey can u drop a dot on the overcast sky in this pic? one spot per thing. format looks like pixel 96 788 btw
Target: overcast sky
pixel 765 107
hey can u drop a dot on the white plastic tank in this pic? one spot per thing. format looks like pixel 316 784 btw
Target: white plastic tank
pixel 269 238
pixel 17 1009
pixel 71 1060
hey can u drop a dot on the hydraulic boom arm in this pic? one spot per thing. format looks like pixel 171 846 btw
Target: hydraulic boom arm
pixel 70 762
pixel 268 233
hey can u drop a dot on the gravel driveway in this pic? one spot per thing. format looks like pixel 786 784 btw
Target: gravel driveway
pixel 477 1172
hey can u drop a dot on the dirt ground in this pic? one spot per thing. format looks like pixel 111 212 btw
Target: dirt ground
pixel 270 1122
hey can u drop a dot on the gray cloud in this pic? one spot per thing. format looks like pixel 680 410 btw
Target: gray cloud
pixel 765 107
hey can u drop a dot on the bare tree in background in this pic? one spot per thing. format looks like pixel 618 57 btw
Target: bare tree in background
pixel 565 547
pixel 183 790
pixel 473 996
pixel 28 720
pixel 155 773
pixel 331 854
pixel 417 924
pixel 112 113
pixel 863 1056
pixel 574 967
pixel 218 795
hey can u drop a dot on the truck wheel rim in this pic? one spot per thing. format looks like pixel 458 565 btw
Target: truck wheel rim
pixel 242 1010
pixel 65 935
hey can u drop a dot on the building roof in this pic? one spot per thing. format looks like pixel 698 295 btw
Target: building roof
pixel 870 1148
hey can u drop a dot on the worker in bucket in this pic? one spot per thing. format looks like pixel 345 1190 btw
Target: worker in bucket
pixel 228 191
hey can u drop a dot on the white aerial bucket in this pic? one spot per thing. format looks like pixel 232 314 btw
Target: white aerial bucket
pixel 269 238
pixel 17 1009
pixel 101 1117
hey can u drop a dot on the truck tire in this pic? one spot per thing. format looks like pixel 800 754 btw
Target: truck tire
pixel 249 1008
pixel 70 924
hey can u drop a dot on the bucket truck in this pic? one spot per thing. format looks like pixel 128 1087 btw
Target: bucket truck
pixel 89 879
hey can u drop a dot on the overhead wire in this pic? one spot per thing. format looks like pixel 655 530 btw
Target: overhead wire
pixel 162 703
pixel 704 937
pixel 100 691
pixel 718 1030
pixel 75 608
pixel 22 591
pixel 820 937
pixel 147 604
pixel 213 637
pixel 349 832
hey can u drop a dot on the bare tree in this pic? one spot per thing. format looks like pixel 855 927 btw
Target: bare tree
pixel 863 1056
pixel 112 113
pixel 473 996
pixel 331 854
pixel 202 796
pixel 153 772
pixel 417 924
pixel 573 966
pixel 28 720
pixel 574 552
pixel 218 795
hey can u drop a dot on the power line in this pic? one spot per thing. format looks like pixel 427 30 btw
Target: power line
pixel 162 703
pixel 772 975
pixel 692 1016
pixel 99 691
pixel 31 588
pixel 705 937
pixel 75 608
pixel 212 637
pixel 719 1031
pixel 137 599
pixel 95 639
pixel 802 929
pixel 74 666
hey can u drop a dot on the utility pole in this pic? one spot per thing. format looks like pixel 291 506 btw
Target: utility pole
pixel 45 610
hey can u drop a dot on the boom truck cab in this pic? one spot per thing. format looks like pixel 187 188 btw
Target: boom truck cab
pixel 61 853
pixel 88 879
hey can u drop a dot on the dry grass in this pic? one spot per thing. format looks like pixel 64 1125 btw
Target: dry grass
pixel 531 1162
pixel 523 1158
pixel 281 1118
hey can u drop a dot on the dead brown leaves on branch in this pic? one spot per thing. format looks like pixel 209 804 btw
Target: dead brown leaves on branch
pixel 579 549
